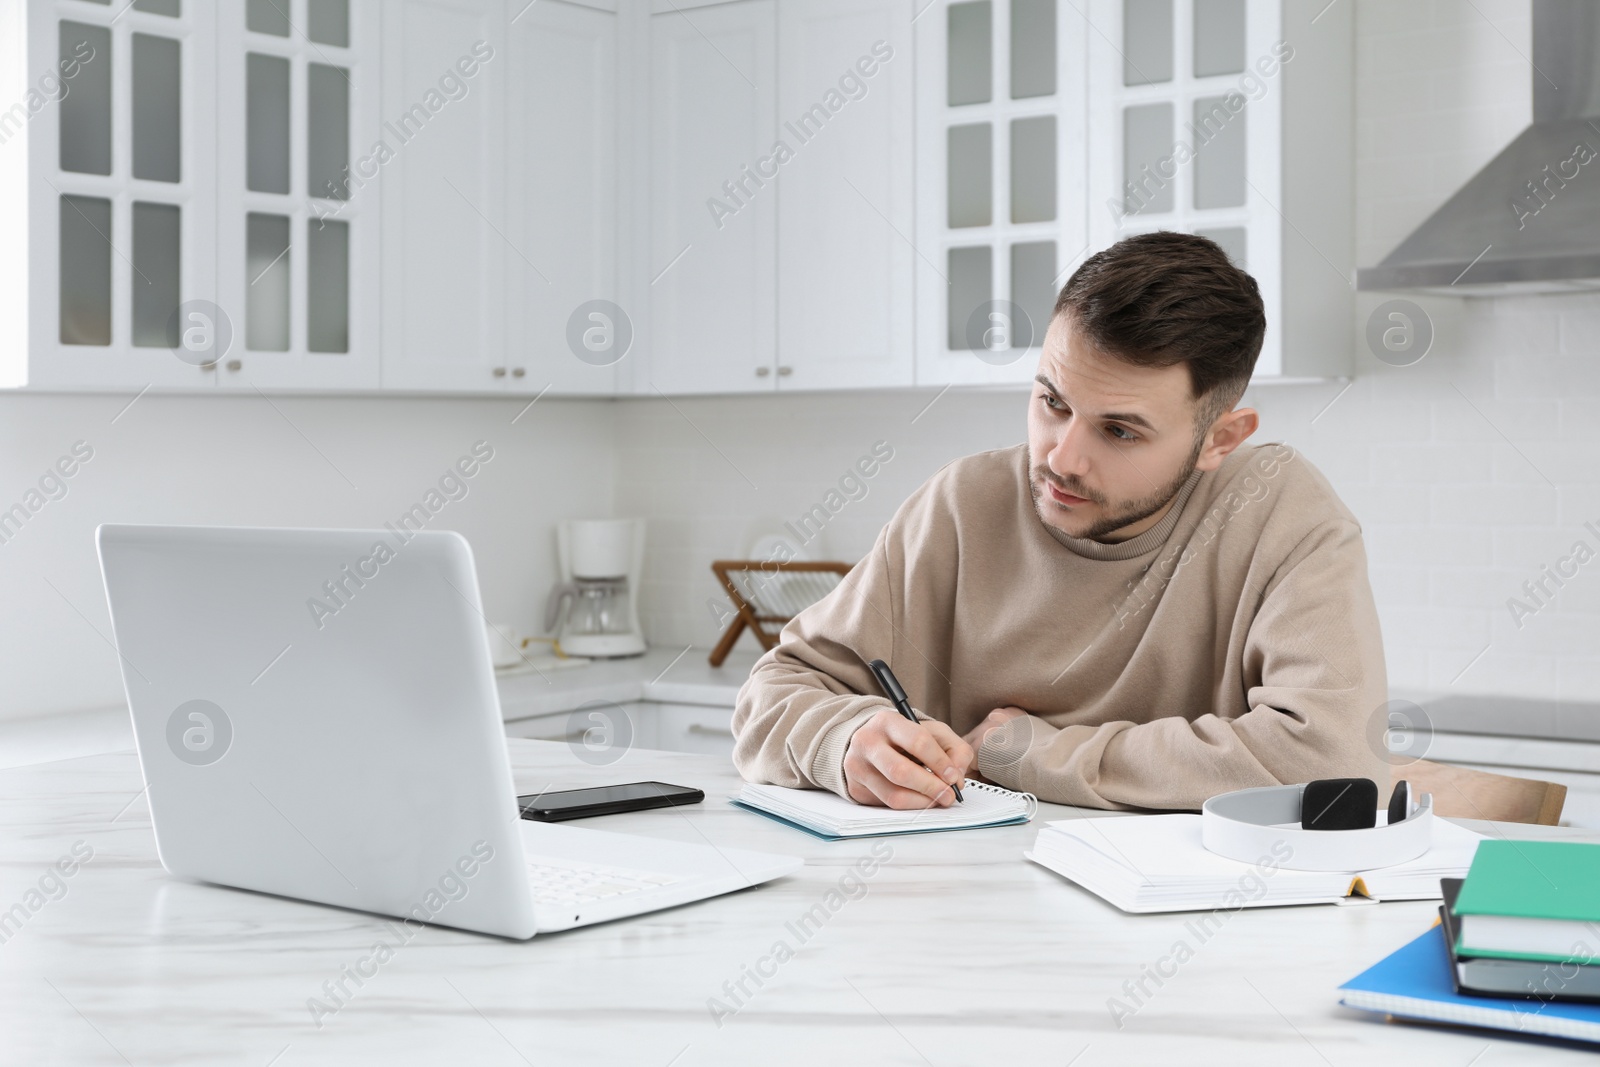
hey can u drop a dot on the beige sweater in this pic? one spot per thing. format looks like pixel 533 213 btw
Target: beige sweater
pixel 1234 644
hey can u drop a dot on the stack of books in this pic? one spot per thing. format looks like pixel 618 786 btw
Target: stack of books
pixel 1517 947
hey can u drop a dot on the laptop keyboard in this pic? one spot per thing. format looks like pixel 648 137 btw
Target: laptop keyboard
pixel 573 883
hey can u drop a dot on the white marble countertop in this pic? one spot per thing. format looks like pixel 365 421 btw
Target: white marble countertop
pixel 956 951
pixel 669 675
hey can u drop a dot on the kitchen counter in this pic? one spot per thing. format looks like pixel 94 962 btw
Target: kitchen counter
pixel 1507 716
pixel 662 675
pixel 955 950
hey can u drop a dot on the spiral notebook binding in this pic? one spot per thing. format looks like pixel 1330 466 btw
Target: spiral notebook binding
pixel 987 787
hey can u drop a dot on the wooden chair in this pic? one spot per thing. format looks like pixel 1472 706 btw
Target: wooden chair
pixel 1460 793
pixel 770 591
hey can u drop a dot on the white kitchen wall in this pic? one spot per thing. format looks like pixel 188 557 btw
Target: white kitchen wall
pixel 1470 470
pixel 287 461
pixel 714 474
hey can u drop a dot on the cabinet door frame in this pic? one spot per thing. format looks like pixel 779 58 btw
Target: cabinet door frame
pixel 937 363
pixel 120 364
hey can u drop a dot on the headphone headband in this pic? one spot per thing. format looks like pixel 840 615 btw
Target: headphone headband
pixel 1246 824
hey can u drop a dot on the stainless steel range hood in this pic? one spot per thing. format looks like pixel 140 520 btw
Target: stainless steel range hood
pixel 1530 220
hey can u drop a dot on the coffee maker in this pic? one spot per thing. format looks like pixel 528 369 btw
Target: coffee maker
pixel 593 611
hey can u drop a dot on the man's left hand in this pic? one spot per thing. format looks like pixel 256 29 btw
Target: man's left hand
pixel 997 717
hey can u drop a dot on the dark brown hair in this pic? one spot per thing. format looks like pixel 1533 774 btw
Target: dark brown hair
pixel 1158 299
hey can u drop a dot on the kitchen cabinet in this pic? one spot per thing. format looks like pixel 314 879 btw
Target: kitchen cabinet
pixel 782 196
pixel 108 168
pixel 500 218
pixel 567 328
pixel 500 215
pixel 443 190
pixel 191 216
pixel 681 197
pixel 1045 133
pixel 297 227
pixel 699 728
pixel 572 727
pixel 846 204
pixel 1002 168
pixel 1234 119
pixel 712 251
pixel 695 728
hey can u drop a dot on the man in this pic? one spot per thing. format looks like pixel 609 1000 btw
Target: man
pixel 1132 610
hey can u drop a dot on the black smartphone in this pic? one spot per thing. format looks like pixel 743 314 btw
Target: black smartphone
pixel 605 800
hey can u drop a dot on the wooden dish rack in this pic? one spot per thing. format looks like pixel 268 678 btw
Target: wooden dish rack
pixel 770 592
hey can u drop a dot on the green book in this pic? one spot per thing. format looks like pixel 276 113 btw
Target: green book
pixel 1531 900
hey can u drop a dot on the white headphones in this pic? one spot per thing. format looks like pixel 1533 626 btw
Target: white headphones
pixel 1329 825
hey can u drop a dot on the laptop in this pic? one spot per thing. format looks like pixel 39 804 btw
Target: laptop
pixel 316 717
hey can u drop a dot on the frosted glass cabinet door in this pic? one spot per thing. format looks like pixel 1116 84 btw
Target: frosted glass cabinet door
pixel 1001 182
pixel 298 214
pixel 1205 129
pixel 121 190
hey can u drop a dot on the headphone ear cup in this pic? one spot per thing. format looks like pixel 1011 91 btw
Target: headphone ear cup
pixel 1339 804
pixel 1400 802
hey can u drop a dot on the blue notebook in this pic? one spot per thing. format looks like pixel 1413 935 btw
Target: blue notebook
pixel 1414 983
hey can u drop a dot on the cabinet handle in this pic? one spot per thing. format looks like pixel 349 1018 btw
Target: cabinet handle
pixel 784 372
pixel 517 372
pixel 697 728
pixel 499 372
pixel 762 372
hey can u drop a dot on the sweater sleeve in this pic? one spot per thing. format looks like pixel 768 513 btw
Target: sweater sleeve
pixel 1314 672
pixel 804 698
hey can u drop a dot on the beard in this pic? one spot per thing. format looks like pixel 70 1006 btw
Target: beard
pixel 1113 517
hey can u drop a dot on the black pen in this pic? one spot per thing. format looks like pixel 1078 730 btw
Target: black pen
pixel 891 689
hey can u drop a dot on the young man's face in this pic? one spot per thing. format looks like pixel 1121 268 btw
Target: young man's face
pixel 1111 443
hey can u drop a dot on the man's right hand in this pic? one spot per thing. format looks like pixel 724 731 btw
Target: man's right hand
pixel 888 759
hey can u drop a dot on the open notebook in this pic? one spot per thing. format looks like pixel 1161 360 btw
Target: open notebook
pixel 833 817
pixel 1154 863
